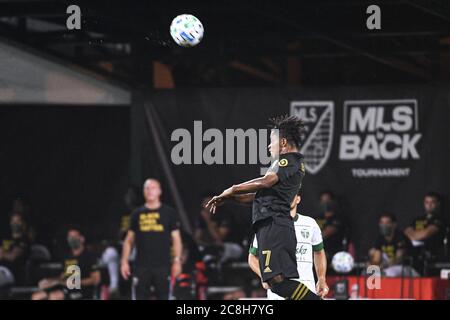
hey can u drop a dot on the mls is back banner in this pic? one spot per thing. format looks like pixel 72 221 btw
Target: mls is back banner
pixel 377 148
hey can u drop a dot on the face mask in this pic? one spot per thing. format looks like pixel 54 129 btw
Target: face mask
pixel 385 230
pixel 326 207
pixel 16 228
pixel 74 243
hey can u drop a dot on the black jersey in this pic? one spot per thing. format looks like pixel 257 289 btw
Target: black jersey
pixel 276 201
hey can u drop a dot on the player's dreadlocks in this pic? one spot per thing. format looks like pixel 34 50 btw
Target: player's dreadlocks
pixel 289 127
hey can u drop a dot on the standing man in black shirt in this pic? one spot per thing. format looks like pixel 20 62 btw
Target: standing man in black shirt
pixel 153 228
pixel 272 196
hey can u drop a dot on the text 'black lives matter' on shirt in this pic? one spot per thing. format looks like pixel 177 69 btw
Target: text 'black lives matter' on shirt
pixel 153 228
pixel 276 201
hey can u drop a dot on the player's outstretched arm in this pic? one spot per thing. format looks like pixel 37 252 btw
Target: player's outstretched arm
pixel 244 198
pixel 247 187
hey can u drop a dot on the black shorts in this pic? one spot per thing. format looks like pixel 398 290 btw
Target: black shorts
pixel 276 248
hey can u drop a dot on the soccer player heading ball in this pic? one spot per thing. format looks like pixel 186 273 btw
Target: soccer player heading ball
pixel 272 196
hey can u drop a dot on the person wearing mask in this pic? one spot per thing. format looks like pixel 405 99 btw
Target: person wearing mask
pixel 390 248
pixel 80 277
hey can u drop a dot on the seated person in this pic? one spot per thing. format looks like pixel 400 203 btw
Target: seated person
pixel 390 248
pixel 427 231
pixel 215 231
pixel 330 223
pixel 14 250
pixel 62 288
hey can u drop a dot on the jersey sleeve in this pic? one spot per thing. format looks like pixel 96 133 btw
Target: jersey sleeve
pixel 316 240
pixel 286 167
pixel 254 247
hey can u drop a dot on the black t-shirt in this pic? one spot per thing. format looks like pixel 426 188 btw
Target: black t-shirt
pixel 153 228
pixel 333 243
pixel 276 201
pixel 88 263
pixel 17 267
pixel 390 247
pixel 435 241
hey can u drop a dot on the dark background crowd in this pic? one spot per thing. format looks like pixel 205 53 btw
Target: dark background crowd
pixel 31 258
pixel 75 132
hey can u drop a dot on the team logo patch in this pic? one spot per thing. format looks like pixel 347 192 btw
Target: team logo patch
pixel 304 233
pixel 283 163
pixel 318 117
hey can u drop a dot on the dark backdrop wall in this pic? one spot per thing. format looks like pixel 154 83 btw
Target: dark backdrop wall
pixel 395 112
pixel 71 162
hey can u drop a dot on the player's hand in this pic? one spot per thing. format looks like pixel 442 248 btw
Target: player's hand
pixel 214 203
pixel 125 270
pixel 322 288
pixel 176 269
pixel 265 285
pixel 218 200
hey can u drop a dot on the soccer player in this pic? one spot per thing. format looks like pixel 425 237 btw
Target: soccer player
pixel 309 251
pixel 272 196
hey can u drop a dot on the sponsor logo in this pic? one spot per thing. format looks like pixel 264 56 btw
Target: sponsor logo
pixel 283 163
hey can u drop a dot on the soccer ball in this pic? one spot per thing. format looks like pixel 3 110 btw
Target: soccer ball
pixel 186 30
pixel 342 262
